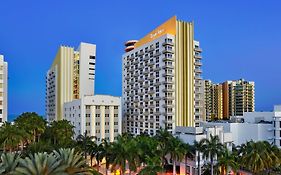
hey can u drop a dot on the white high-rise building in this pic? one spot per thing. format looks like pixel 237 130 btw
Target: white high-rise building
pixel 162 83
pixel 3 90
pixel 70 77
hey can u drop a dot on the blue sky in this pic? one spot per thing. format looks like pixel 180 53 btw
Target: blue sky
pixel 239 39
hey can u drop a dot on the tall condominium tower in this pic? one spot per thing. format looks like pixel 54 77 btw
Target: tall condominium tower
pixel 239 97
pixel 3 90
pixel 213 100
pixel 231 98
pixel 162 84
pixel 70 77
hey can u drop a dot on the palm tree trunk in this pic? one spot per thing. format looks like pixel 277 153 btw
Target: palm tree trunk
pixel 199 166
pixel 91 161
pixel 212 166
pixel 185 163
pixel 174 167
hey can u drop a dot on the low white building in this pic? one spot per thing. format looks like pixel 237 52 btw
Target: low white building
pixel 191 134
pixel 257 126
pixel 244 132
pixel 98 115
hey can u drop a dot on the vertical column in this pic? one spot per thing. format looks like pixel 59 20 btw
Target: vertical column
pixel 93 120
pixel 102 122
pixel 111 123
pixel 82 117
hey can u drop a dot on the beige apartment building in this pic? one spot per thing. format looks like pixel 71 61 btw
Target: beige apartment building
pixel 230 98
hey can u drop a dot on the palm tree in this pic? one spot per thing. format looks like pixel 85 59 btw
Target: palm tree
pixel 61 133
pixel 120 153
pixel 99 154
pixel 84 141
pixel 107 153
pixel 199 148
pixel 92 150
pixel 227 160
pixel 188 154
pixel 9 162
pixel 132 157
pixel 212 149
pixel 258 156
pixel 74 162
pixel 153 166
pixel 11 136
pixel 32 124
pixel 40 164
pixel 177 151
pixel 163 138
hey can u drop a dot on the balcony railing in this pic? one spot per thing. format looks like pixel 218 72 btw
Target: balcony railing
pixel 168 51
pixel 168 59
pixel 170 43
pixel 168 66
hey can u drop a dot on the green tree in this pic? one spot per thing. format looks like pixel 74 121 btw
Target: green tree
pixel 163 138
pixel 84 141
pixel 31 123
pixel 41 146
pixel 227 161
pixel 177 151
pixel 153 166
pixel 199 147
pixel 120 152
pixel 92 149
pixel 258 156
pixel 61 133
pixel 11 137
pixel 146 146
pixel 212 149
pixel 188 154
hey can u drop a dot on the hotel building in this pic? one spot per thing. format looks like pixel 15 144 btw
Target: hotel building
pixel 3 90
pixel 98 115
pixel 230 98
pixel 161 79
pixel 70 77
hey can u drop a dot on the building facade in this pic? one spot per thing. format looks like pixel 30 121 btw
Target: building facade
pixel 230 98
pixel 161 79
pixel 213 101
pixel 241 97
pixel 70 77
pixel 3 90
pixel 98 115
pixel 191 134
pixel 256 126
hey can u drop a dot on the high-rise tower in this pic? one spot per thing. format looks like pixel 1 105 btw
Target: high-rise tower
pixel 230 98
pixel 3 90
pixel 162 84
pixel 70 77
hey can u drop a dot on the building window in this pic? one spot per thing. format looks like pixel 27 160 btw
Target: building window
pixel 106 107
pixel 115 107
pixel 106 115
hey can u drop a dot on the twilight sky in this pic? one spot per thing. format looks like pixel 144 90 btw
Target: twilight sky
pixel 239 39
